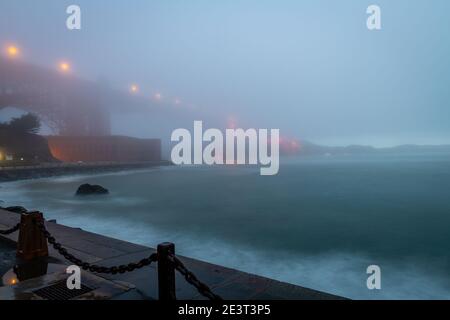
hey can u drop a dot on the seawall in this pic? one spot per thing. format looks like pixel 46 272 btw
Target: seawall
pixel 228 283
pixel 60 169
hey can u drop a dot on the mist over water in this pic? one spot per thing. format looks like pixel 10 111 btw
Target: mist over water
pixel 311 69
pixel 319 223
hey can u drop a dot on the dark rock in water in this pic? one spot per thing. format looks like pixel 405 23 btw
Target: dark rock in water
pixel 90 189
pixel 16 209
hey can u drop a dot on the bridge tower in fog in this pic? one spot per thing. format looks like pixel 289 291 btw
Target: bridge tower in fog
pixel 69 106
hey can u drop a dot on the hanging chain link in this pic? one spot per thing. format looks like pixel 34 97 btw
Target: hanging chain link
pixel 9 231
pixel 92 267
pixel 192 279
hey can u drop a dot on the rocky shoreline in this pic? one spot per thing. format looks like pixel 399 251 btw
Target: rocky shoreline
pixel 52 170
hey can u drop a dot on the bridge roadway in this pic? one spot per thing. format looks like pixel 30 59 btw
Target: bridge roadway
pixel 70 105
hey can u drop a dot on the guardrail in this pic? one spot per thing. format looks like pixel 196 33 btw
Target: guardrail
pixel 33 243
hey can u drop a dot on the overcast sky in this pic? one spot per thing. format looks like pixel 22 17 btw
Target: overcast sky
pixel 310 68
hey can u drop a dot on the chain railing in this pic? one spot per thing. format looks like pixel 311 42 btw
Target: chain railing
pixel 168 262
pixel 11 230
pixel 202 288
pixel 93 267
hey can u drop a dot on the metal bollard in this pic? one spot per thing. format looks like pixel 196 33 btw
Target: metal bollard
pixel 166 272
pixel 31 243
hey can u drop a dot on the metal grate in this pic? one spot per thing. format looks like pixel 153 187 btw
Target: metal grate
pixel 59 291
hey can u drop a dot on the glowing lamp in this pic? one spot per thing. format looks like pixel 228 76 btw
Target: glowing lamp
pixel 12 51
pixel 64 67
pixel 134 88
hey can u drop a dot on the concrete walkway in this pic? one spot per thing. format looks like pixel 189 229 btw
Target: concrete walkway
pixel 226 282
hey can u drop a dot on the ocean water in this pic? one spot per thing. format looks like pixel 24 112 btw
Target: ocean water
pixel 319 223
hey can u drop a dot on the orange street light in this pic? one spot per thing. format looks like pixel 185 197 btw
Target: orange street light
pixel 134 88
pixel 64 67
pixel 12 51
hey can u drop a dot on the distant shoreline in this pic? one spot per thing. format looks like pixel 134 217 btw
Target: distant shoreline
pixel 8 174
pixel 308 148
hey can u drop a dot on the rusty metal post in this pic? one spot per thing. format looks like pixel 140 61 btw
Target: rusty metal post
pixel 166 272
pixel 31 243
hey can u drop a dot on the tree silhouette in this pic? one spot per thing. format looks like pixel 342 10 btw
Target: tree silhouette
pixel 28 123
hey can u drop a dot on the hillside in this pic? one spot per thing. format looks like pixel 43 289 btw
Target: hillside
pixel 308 148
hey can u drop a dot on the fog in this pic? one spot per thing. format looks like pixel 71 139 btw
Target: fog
pixel 310 68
